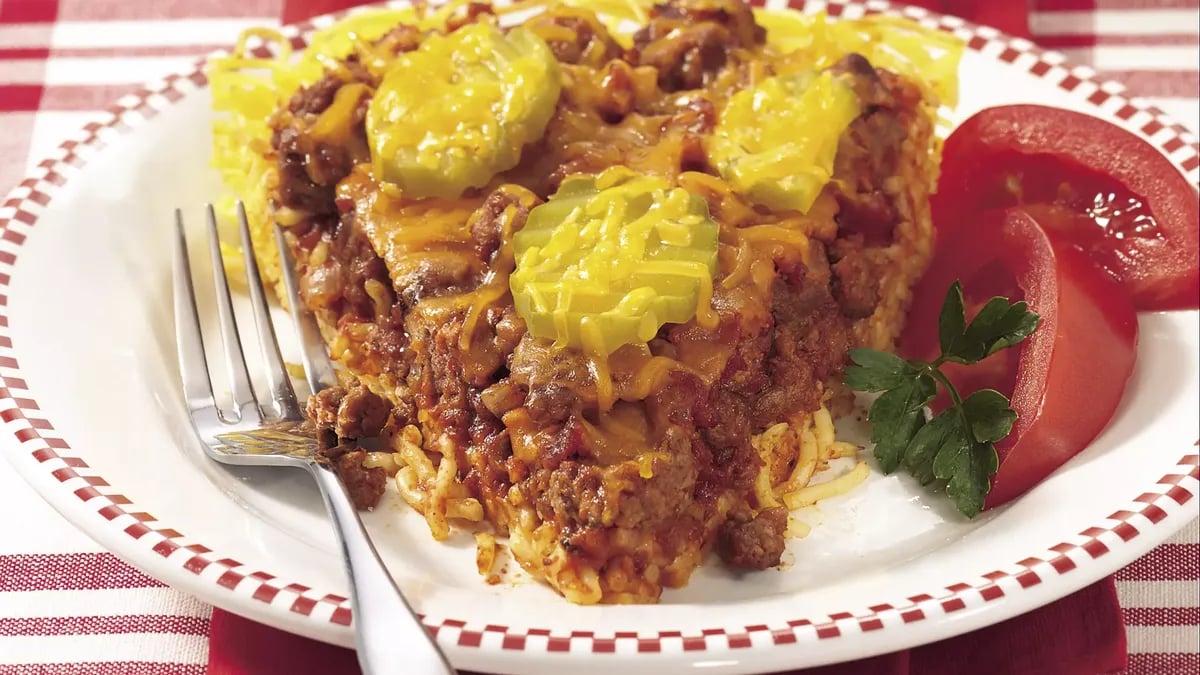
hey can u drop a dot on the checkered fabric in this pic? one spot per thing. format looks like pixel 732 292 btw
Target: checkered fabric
pixel 67 606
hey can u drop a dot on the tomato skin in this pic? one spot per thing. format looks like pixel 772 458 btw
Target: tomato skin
pixel 1066 380
pixel 1161 269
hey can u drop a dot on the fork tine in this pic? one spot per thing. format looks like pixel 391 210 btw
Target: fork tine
pixel 189 340
pixel 239 377
pixel 317 367
pixel 282 393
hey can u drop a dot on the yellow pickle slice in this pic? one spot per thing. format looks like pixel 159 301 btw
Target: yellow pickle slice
pixel 459 109
pixel 610 259
pixel 775 143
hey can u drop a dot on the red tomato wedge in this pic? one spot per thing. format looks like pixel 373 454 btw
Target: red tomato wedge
pixel 1066 380
pixel 1144 215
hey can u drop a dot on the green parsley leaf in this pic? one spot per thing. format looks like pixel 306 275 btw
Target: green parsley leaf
pixel 944 429
pixel 953 319
pixel 955 450
pixel 877 371
pixel 997 325
pixel 897 415
pixel 967 468
pixel 945 464
pixel 991 418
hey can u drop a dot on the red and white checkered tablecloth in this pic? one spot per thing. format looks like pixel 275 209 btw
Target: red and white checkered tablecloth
pixel 67 606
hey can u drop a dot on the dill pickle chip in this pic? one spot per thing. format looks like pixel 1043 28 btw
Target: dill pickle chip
pixel 458 110
pixel 611 258
pixel 775 143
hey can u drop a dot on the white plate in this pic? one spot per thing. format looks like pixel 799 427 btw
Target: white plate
pixel 95 422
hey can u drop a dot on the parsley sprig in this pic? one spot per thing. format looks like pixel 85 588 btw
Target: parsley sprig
pixel 954 451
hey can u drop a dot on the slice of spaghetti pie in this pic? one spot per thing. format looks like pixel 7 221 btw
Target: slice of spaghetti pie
pixel 596 290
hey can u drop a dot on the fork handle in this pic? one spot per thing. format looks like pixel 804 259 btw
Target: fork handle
pixel 388 632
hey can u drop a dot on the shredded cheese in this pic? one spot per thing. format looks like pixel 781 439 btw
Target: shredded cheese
pixel 609 260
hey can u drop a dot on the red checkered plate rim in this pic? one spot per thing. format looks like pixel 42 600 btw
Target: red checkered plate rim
pixel 1152 513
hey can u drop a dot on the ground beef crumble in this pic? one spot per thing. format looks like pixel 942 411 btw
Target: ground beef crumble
pixel 756 542
pixel 342 417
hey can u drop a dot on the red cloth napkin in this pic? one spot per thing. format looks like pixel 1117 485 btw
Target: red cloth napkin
pixel 1082 634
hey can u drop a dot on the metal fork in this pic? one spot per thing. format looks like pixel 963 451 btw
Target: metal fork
pixel 267 432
